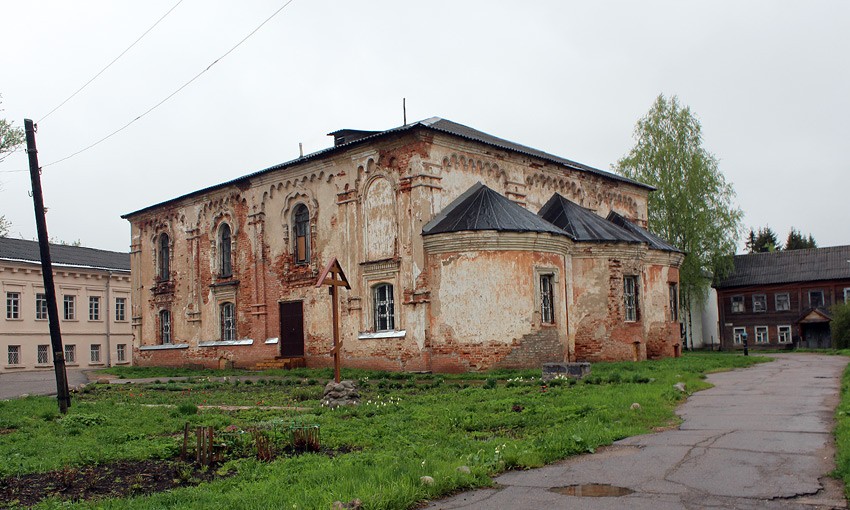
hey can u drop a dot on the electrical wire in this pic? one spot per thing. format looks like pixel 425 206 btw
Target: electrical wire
pixel 152 108
pixel 86 84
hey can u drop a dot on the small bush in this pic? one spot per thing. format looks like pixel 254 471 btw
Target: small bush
pixel 840 326
pixel 187 409
pixel 490 383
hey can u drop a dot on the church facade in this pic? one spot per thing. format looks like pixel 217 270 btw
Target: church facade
pixel 463 251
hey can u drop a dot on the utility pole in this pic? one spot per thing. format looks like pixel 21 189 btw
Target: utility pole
pixel 62 393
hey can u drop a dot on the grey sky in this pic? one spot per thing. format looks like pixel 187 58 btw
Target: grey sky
pixel 769 81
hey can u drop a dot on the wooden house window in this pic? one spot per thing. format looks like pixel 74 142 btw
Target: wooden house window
pixel 816 299
pixel 784 334
pixel 301 225
pixel 783 302
pixel 759 302
pixel 761 335
pixel 737 304
pixel 738 334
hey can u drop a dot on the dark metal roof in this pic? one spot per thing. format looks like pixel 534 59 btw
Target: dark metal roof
pixel 62 255
pixel 434 124
pixel 481 208
pixel 582 224
pixel 654 241
pixel 791 266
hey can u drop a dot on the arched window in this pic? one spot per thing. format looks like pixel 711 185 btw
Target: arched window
pixel 301 226
pixel 383 308
pixel 225 263
pixel 165 327
pixel 164 257
pixel 228 322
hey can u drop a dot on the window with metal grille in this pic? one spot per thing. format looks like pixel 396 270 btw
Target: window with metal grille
pixel 225 262
pixel 164 257
pixel 120 309
pixel 121 352
pixel 674 302
pixel 43 354
pixel 14 355
pixel 69 307
pixel 94 308
pixel 41 306
pixel 630 298
pixel 70 353
pixel 13 305
pixel 301 226
pixel 383 307
pixel 228 322
pixel 547 311
pixel 95 353
pixel 165 327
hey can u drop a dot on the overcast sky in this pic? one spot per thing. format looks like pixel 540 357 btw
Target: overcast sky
pixel 769 81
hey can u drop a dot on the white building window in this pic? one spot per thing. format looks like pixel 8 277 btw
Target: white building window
pixel 784 334
pixel 14 355
pixel 121 352
pixel 383 307
pixel 228 322
pixel 13 305
pixel 761 335
pixel 94 308
pixel 739 333
pixel 95 353
pixel 69 307
pixel 737 304
pixel 70 353
pixel 782 302
pixel 164 327
pixel 41 306
pixel 547 298
pixel 759 302
pixel 120 309
pixel 43 354
pixel 630 298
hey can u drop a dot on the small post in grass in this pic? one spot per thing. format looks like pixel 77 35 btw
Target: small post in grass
pixel 333 276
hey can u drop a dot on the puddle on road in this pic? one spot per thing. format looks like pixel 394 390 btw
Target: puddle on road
pixel 592 490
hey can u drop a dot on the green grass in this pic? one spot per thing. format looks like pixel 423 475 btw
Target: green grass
pixel 842 429
pixel 408 426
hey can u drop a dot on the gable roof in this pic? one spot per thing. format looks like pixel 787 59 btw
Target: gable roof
pixel 353 138
pixel 790 266
pixel 655 242
pixel 582 224
pixel 22 250
pixel 481 208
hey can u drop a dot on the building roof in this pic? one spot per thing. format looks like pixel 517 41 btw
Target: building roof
pixel 582 224
pixel 793 266
pixel 22 250
pixel 352 138
pixel 481 208
pixel 655 242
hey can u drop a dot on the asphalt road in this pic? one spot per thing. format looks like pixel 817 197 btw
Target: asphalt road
pixel 43 382
pixel 761 438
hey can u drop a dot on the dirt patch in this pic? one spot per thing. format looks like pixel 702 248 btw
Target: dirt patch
pixel 114 480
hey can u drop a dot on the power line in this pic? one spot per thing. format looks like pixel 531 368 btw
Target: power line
pixel 152 108
pixel 86 84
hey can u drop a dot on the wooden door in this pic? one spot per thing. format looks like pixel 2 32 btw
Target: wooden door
pixel 292 329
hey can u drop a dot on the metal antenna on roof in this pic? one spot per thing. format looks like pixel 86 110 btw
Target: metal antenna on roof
pixel 404 109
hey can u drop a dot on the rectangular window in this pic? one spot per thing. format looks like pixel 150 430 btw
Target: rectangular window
pixel 41 307
pixel 94 308
pixel 630 298
pixel 43 354
pixel 547 312
pixel 761 335
pixel 120 309
pixel 816 299
pixel 782 302
pixel 759 302
pixel 739 333
pixel 14 355
pixel 737 304
pixel 13 305
pixel 70 307
pixel 95 353
pixel 70 354
pixel 121 351
pixel 847 295
pixel 674 302
pixel 784 334
pixel 383 307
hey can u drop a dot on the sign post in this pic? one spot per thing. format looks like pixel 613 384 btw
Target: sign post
pixel 333 276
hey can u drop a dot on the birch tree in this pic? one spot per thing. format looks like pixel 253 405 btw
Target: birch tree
pixel 11 138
